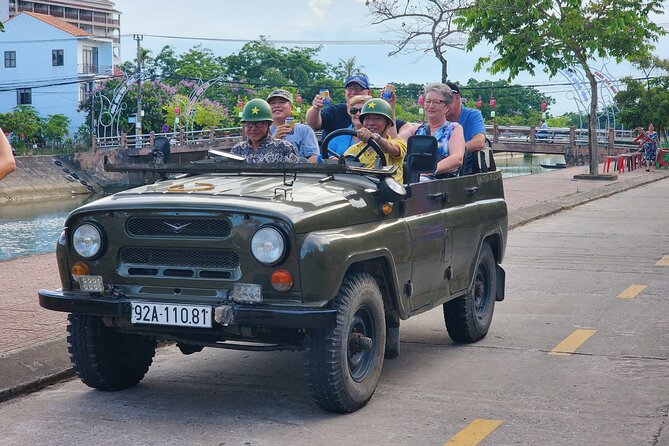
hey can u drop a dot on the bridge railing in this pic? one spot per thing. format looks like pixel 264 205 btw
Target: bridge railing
pixel 181 138
pixel 498 134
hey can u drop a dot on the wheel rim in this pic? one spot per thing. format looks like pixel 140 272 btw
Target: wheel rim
pixel 481 292
pixel 359 358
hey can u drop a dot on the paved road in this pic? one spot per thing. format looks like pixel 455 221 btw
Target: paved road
pixel 608 384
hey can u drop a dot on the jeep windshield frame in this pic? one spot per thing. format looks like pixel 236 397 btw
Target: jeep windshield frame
pixel 270 168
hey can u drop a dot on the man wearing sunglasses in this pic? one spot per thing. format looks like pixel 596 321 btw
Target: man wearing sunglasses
pixel 261 147
pixel 336 116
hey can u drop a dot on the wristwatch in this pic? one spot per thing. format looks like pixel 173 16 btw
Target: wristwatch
pixel 376 137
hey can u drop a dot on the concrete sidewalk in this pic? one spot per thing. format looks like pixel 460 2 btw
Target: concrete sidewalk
pixel 33 349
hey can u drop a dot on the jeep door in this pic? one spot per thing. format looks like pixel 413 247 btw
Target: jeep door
pixel 431 242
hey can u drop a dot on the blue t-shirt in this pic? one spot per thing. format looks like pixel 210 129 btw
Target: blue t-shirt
pixel 340 143
pixel 472 124
pixel 302 138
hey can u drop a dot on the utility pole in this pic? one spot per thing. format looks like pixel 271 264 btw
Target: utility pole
pixel 138 121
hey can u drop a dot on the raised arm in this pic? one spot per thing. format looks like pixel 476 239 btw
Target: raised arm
pixel 7 162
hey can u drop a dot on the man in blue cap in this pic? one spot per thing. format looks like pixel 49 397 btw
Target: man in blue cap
pixel 336 116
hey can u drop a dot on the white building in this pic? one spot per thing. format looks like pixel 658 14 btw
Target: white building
pixel 50 65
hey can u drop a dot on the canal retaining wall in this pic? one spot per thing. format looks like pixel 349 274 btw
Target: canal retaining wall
pixel 46 176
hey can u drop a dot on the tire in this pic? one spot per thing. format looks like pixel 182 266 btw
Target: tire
pixel 342 374
pixel 468 317
pixel 104 358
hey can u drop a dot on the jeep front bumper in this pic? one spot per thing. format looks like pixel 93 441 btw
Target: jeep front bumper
pixel 224 314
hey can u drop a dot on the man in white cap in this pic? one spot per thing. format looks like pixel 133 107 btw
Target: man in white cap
pixel 301 136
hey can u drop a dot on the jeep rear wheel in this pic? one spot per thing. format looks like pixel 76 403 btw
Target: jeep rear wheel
pixel 468 317
pixel 343 364
pixel 104 358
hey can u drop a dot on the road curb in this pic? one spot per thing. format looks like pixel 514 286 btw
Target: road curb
pixel 33 368
pixel 529 214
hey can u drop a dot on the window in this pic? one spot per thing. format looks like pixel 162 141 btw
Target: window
pixel 57 58
pixel 90 58
pixel 10 59
pixel 24 96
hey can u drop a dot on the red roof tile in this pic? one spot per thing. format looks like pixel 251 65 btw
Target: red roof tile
pixel 58 23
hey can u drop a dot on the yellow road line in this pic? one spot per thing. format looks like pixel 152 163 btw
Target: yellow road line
pixel 664 261
pixel 474 433
pixel 572 342
pixel 632 291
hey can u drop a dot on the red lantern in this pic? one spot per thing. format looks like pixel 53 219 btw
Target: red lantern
pixel 543 106
pixel 177 110
pixel 421 100
pixel 493 102
pixel 240 104
pixel 479 103
pixel 298 99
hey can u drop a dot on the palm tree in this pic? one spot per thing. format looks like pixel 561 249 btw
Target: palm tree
pixel 348 67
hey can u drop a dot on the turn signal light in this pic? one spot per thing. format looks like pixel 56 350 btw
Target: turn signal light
pixel 80 269
pixel 387 208
pixel 282 280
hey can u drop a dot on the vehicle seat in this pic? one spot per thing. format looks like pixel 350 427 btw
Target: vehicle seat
pixel 421 157
pixel 483 160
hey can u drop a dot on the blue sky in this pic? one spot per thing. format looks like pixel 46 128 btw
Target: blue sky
pixel 316 20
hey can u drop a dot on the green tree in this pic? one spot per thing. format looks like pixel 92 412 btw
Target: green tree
pixel 559 34
pixel 640 104
pixel 24 122
pixel 511 100
pixel 55 128
pixel 253 60
pixel 348 67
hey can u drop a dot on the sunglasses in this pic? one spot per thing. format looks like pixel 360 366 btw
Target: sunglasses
pixel 254 125
pixel 354 111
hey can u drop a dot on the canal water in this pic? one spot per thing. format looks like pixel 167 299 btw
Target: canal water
pixel 34 228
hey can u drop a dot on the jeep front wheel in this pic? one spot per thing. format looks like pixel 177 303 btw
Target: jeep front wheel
pixel 343 364
pixel 468 317
pixel 104 358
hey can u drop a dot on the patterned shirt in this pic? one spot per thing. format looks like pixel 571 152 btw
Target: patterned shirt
pixel 442 136
pixel 271 150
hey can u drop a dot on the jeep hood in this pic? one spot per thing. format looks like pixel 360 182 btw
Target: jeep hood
pixel 308 201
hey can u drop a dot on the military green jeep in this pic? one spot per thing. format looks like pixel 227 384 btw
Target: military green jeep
pixel 324 258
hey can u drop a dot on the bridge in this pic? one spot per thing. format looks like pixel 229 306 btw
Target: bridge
pixel 570 142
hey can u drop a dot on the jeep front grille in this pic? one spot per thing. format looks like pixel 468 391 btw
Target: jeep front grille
pixel 213 264
pixel 173 227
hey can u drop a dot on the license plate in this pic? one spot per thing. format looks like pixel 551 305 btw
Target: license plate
pixel 170 314
pixel 91 284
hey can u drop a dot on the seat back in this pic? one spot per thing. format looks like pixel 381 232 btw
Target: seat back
pixel 421 157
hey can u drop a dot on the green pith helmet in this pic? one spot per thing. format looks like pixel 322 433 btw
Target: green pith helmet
pixel 377 106
pixel 257 110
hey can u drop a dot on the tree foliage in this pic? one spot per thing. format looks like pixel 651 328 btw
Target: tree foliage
pixel 558 34
pixel 641 103
pixel 55 129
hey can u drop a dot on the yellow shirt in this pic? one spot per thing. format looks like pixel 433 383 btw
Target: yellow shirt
pixel 369 157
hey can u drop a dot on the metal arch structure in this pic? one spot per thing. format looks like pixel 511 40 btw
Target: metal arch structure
pixel 581 94
pixel 194 97
pixel 109 111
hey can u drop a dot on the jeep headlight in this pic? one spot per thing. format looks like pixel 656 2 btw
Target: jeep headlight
pixel 87 240
pixel 268 245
